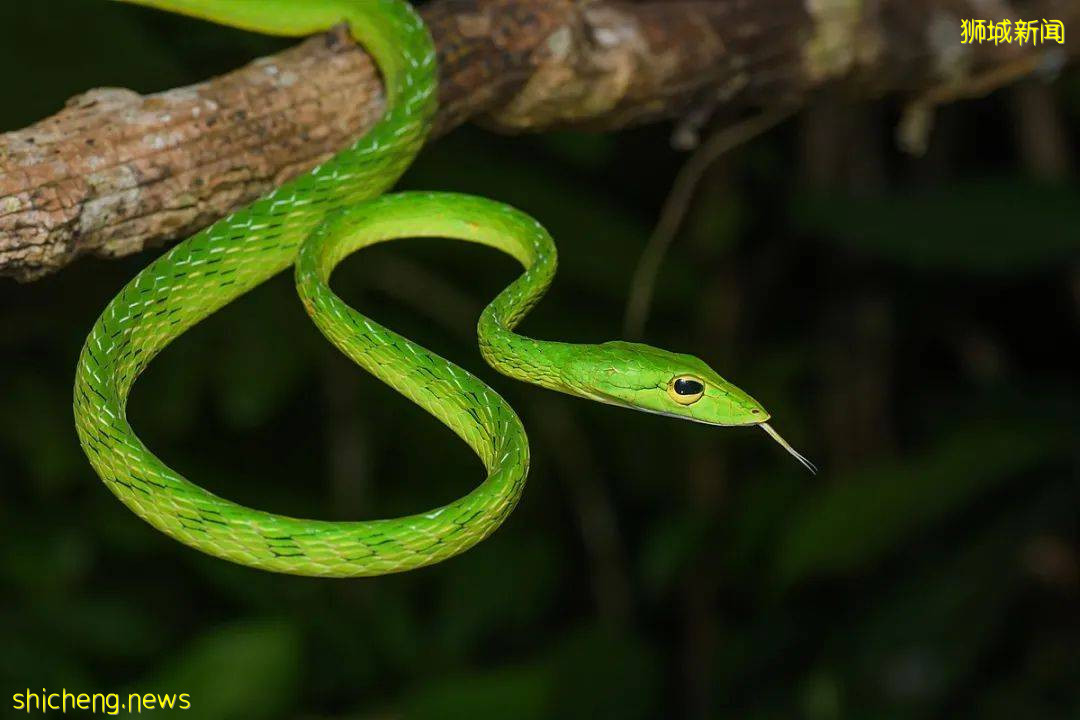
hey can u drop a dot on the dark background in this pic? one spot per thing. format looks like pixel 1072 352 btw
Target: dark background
pixel 910 323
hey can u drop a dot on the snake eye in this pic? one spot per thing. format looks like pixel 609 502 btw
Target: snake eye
pixel 686 389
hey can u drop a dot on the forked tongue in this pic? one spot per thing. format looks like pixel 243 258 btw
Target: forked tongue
pixel 784 443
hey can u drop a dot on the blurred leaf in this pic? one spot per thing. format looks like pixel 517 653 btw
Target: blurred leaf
pixel 36 421
pixel 261 357
pixel 592 151
pixel 167 397
pixel 46 78
pixel 919 644
pixel 473 605
pixel 990 226
pixel 752 527
pixel 63 551
pixel 601 673
pixel 672 542
pixel 588 674
pixel 34 659
pixel 857 519
pixel 510 692
pixel 245 670
pixel 822 696
pixel 107 628
pixel 716 219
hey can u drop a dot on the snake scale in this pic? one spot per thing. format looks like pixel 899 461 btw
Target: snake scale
pixel 312 223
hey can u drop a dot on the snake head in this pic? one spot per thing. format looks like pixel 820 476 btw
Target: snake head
pixel 641 377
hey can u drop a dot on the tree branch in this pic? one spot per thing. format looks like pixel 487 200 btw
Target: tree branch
pixel 114 171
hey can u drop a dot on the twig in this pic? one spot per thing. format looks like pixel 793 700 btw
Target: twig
pixel 676 207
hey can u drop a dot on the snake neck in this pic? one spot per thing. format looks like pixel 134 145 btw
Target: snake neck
pixel 563 367
pixel 604 372
pixel 538 362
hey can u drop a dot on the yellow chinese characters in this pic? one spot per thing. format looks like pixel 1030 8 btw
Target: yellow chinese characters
pixel 1020 32
pixel 1053 31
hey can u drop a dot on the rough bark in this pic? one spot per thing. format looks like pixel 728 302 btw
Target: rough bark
pixel 114 171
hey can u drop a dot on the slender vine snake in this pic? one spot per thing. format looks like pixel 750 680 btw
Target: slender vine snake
pixel 312 223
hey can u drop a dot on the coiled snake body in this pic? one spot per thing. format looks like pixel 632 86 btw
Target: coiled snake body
pixel 313 222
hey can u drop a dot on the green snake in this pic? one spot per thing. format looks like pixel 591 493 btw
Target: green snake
pixel 313 222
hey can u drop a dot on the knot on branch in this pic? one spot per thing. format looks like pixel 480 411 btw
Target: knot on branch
pixel 583 70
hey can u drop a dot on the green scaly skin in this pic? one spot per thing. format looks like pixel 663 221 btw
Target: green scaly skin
pixel 316 220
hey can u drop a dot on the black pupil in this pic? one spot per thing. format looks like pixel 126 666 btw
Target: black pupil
pixel 688 387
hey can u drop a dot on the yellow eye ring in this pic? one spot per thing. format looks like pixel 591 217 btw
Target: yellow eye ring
pixel 686 389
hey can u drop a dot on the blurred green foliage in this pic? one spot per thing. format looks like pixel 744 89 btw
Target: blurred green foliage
pixel 1001 226
pixel 917 339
